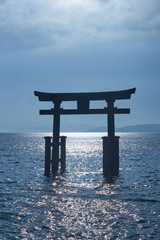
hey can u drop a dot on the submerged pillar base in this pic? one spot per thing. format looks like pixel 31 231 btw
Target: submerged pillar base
pixel 110 155
pixel 49 148
pixel 47 156
pixel 63 152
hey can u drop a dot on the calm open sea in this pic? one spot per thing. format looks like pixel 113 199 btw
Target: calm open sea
pixel 80 204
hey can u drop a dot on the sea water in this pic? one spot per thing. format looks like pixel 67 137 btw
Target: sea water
pixel 80 203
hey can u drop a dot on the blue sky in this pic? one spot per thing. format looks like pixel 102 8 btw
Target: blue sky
pixel 76 46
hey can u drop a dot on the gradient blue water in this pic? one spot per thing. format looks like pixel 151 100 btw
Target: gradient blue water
pixel 80 204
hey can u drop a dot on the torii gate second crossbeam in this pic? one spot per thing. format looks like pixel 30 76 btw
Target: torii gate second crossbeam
pixel 110 143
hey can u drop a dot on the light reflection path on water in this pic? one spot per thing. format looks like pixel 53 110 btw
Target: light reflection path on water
pixel 79 204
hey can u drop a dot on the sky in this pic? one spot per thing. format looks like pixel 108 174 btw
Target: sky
pixel 78 46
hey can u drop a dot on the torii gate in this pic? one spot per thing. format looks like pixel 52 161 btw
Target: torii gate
pixel 110 143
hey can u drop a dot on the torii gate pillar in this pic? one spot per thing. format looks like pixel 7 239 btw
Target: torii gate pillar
pixel 56 133
pixel 110 145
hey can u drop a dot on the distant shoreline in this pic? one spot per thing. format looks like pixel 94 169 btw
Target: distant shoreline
pixel 142 128
pixel 134 128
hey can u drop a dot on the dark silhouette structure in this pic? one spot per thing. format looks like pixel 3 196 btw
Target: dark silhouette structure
pixel 58 145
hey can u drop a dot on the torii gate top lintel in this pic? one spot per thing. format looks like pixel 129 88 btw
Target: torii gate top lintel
pixel 107 96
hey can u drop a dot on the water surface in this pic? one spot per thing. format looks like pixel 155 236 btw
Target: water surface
pixel 80 204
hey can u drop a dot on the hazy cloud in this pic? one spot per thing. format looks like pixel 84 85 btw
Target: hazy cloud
pixel 49 23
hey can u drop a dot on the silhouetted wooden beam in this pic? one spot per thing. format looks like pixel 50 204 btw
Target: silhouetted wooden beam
pixel 46 112
pixel 107 96
pixel 88 111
